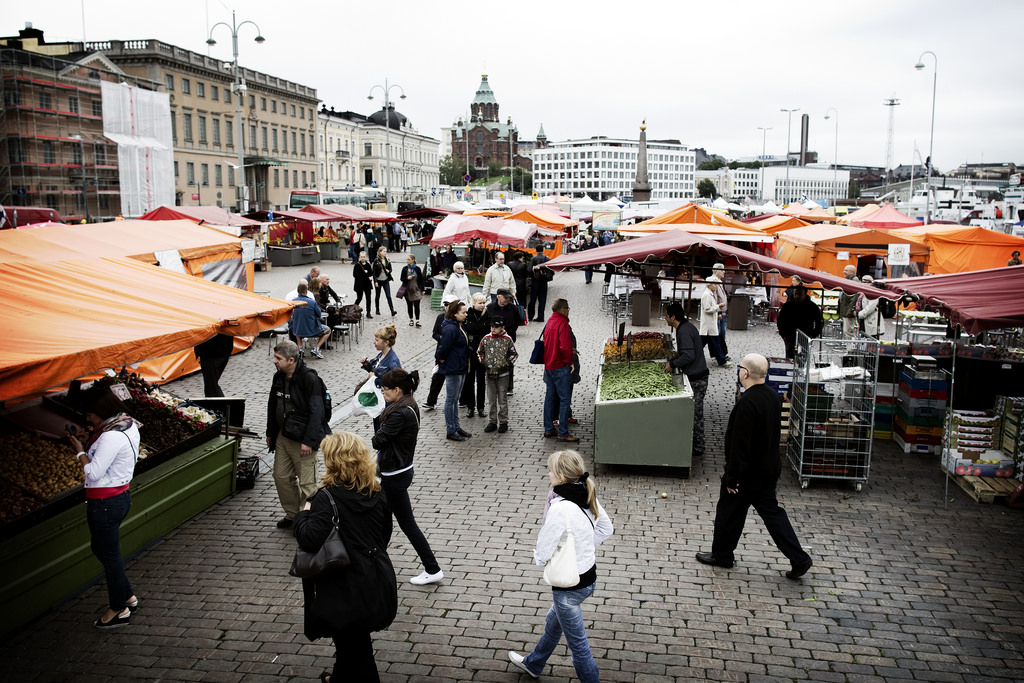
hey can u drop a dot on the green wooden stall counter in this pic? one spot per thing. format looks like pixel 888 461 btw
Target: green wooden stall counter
pixel 51 561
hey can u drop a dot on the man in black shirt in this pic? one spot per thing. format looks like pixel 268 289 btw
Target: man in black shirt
pixel 690 361
pixel 752 468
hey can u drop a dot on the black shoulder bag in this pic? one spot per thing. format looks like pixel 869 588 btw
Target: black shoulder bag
pixel 332 555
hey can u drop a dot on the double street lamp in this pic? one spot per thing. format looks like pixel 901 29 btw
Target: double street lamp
pixel 835 156
pixel 386 89
pixel 931 140
pixel 789 132
pixel 239 89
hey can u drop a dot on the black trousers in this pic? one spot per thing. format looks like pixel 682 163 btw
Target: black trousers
pixel 731 515
pixel 212 369
pixel 436 385
pixel 474 391
pixel 353 656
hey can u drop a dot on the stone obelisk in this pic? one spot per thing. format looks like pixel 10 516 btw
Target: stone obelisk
pixel 641 187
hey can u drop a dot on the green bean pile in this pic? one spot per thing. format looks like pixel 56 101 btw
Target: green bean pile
pixel 636 380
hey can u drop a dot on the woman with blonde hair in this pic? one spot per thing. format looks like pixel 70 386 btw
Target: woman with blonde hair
pixel 572 503
pixel 384 341
pixel 382 279
pixel 350 604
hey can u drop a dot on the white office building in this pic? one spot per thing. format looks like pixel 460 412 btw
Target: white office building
pixel 603 167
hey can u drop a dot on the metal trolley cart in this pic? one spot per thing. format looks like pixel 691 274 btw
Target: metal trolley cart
pixel 832 403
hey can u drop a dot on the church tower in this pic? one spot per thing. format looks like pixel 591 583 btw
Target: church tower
pixel 485 106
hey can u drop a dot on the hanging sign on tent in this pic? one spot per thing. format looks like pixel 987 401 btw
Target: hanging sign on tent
pixel 899 254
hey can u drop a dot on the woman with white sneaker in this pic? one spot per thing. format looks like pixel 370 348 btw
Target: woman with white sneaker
pixel 395 442
pixel 572 503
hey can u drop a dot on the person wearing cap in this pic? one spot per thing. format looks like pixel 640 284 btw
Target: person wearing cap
pixel 497 353
pixel 709 320
pixel 871 320
pixel 848 305
pixel 1014 259
pixel 499 276
pixel 718 270
pixel 506 308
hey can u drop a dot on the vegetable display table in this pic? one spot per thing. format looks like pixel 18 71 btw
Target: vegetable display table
pixel 645 431
pixel 293 256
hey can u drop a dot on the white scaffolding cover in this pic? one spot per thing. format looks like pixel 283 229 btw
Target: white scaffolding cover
pixel 139 121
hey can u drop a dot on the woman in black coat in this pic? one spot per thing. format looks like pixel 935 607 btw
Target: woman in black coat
pixel 382 279
pixel 477 326
pixel 350 604
pixel 395 442
pixel 362 275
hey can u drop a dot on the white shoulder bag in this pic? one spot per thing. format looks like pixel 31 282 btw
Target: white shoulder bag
pixel 561 570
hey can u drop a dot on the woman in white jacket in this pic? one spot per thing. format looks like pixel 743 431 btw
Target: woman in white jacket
pixel 572 500
pixel 709 309
pixel 457 287
pixel 872 322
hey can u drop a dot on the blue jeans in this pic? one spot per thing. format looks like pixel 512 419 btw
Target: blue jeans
pixel 566 616
pixel 722 326
pixel 452 391
pixel 104 517
pixel 559 383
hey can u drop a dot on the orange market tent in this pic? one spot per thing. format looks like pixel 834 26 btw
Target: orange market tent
pixel 545 219
pixel 690 214
pixel 111 312
pixel 818 246
pixel 176 244
pixel 961 248
pixel 886 218
pixel 454 229
pixel 773 224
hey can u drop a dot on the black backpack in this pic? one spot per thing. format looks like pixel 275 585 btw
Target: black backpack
pixel 321 388
pixel 887 307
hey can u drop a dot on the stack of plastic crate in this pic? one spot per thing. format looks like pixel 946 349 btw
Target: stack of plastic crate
pixel 920 408
pixel 1011 438
pixel 885 410
pixel 780 376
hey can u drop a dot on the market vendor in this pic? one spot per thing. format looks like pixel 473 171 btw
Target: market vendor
pixel 108 458
pixel 690 361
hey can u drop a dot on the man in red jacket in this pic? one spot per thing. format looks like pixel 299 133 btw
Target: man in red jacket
pixel 558 367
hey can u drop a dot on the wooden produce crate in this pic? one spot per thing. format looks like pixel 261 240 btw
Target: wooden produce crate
pixel 986 489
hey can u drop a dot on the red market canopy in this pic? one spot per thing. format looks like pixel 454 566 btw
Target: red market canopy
pixel 214 215
pixel 885 218
pixel 455 229
pixel 979 300
pixel 349 212
pixel 658 246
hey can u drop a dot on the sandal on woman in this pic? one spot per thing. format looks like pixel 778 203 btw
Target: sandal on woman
pixel 411 322
pixel 325 677
pixel 132 606
pixel 118 620
pixel 418 324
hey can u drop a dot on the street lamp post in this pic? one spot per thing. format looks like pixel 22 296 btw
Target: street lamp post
pixel 835 156
pixel 931 139
pixel 764 141
pixel 239 89
pixel 387 132
pixel 789 132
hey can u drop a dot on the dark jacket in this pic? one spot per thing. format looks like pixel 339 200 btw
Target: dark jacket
pixel 520 272
pixel 415 270
pixel 452 354
pixel 382 267
pixel 510 314
pixel 326 294
pixel 306 320
pixel 800 315
pixel 364 595
pixel 477 324
pixel 396 438
pixel 752 439
pixel 307 405
pixel 362 275
pixel 438 323
pixel 689 351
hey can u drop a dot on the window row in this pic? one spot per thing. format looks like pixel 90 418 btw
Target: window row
pixel 265 103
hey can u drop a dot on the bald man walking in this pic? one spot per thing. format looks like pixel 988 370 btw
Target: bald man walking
pixel 752 468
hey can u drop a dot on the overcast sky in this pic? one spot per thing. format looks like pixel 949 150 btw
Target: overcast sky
pixel 706 73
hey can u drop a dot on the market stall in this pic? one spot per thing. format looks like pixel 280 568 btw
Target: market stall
pixel 634 394
pixel 112 314
pixel 829 248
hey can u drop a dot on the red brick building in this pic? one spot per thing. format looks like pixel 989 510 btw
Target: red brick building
pixel 484 137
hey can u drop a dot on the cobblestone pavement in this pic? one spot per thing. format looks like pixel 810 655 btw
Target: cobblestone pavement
pixel 903 586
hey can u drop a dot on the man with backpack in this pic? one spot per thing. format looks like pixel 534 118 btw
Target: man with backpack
pixel 297 421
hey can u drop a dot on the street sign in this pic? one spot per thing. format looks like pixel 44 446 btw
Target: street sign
pixel 373 183
pixel 433 192
pixel 467 177
pixel 195 196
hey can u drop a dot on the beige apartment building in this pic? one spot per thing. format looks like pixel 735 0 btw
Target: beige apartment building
pixel 278 130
